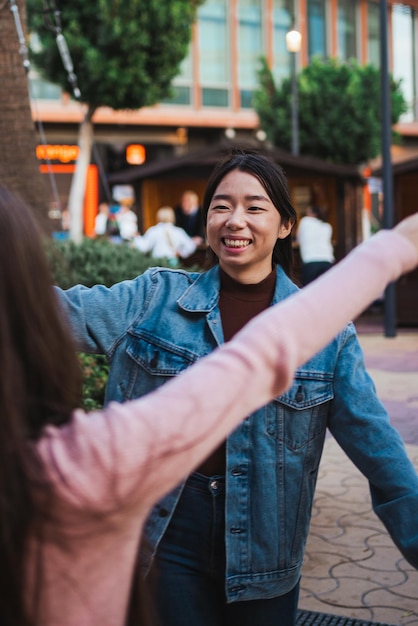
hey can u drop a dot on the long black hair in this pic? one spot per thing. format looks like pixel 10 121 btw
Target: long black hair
pixel 40 383
pixel 273 179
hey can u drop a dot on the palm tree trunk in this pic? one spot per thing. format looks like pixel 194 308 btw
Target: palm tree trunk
pixel 19 168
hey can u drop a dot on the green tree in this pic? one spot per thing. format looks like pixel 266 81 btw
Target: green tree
pixel 125 55
pixel 339 110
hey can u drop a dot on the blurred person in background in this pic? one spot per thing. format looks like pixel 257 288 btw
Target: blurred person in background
pixel 102 220
pixel 189 216
pixel 314 237
pixel 127 222
pixel 164 240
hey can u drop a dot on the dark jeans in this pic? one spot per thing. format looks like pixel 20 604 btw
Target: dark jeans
pixel 310 271
pixel 187 580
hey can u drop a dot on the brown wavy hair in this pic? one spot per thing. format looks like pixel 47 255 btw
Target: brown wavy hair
pixel 40 384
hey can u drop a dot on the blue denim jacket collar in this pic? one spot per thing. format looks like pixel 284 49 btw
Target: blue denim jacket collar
pixel 202 296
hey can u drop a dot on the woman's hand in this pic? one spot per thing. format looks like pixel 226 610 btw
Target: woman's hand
pixel 408 227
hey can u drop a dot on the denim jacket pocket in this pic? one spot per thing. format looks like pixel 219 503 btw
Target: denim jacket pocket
pixel 150 362
pixel 299 415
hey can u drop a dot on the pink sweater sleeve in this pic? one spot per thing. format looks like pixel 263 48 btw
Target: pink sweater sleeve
pixel 148 445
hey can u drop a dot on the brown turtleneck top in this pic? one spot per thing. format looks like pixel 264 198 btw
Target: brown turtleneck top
pixel 238 303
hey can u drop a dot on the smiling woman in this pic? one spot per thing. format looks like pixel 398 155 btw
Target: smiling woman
pixel 269 187
pixel 234 531
pixel 243 226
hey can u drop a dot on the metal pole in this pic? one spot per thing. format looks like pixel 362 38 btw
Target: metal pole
pixel 388 217
pixel 295 113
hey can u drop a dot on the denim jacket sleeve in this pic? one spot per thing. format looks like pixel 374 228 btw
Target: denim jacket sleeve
pixel 361 425
pixel 99 316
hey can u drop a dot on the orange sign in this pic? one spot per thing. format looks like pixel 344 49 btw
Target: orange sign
pixel 59 152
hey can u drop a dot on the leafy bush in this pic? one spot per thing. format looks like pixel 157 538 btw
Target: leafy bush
pixel 95 372
pixel 89 263
pixel 96 261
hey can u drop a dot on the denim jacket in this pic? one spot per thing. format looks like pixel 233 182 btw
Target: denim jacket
pixel 155 326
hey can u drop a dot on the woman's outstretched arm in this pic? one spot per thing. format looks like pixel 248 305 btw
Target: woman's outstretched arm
pixel 155 441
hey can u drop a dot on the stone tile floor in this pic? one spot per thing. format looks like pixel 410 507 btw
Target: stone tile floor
pixel 351 567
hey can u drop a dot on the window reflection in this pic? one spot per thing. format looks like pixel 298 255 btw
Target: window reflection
pixel 250 48
pixel 182 84
pixel 214 65
pixel 347 29
pixel 282 22
pixel 373 34
pixel 317 29
pixel 403 55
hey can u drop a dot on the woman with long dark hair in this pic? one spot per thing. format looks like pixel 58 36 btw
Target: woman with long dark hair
pixel 40 383
pixel 226 545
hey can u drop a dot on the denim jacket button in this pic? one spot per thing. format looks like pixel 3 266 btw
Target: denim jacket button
pixel 236 471
pixel 299 395
pixel 154 360
pixel 236 531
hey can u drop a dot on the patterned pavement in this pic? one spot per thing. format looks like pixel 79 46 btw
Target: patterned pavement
pixel 351 567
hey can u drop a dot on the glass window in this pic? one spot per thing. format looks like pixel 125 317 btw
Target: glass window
pixel 282 23
pixel 347 29
pixel 250 47
pixel 403 55
pixel 317 28
pixel 180 95
pixel 182 84
pixel 214 63
pixel 186 67
pixel 373 34
pixel 213 97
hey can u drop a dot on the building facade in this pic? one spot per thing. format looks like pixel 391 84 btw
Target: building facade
pixel 211 104
pixel 212 94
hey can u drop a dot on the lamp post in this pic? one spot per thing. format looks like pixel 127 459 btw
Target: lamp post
pixel 388 217
pixel 293 43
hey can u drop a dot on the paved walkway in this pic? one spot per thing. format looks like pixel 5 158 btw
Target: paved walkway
pixel 352 567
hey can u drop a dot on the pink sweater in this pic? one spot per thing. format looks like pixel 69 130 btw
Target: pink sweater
pixel 108 468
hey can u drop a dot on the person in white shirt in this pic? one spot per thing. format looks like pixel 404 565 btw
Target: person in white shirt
pixel 314 237
pixel 165 240
pixel 127 222
pixel 100 224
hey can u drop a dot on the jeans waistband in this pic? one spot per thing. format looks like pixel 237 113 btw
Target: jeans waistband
pixel 206 484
